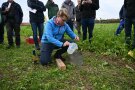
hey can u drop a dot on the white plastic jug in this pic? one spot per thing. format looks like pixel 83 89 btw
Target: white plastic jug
pixel 72 47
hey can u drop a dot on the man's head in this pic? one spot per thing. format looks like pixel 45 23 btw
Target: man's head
pixel 10 1
pixel 51 0
pixel 62 16
pixel 79 2
pixel 68 0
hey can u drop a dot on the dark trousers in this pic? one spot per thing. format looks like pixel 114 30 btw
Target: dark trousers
pixel 70 23
pixel 120 27
pixel 13 27
pixel 1 33
pixel 37 28
pixel 88 23
pixel 128 30
pixel 78 27
pixel 46 51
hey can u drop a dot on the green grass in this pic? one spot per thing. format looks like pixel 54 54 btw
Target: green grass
pixel 106 65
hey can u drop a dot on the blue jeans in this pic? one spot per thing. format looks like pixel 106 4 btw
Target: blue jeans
pixel 46 51
pixel 128 30
pixel 120 27
pixel 88 23
pixel 37 28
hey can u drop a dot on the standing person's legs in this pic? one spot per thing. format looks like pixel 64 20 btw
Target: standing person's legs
pixel 128 27
pixel 84 29
pixel 70 23
pixel 1 33
pixel 78 27
pixel 17 35
pixel 34 29
pixel 9 28
pixel 46 51
pixel 91 27
pixel 40 29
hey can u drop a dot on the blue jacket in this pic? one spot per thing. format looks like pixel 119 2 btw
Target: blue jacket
pixel 54 33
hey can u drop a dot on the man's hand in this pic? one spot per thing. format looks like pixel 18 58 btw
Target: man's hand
pixel 77 38
pixel 89 1
pixel 66 43
pixel 7 9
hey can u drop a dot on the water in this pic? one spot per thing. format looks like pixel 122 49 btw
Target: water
pixel 76 58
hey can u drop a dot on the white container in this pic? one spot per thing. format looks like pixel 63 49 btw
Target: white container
pixel 72 47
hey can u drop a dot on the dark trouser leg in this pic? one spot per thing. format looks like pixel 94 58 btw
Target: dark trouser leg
pixel 59 52
pixel 17 34
pixel 34 29
pixel 84 29
pixel 70 23
pixel 46 51
pixel 133 44
pixel 9 28
pixel 1 33
pixel 40 30
pixel 128 27
pixel 78 27
pixel 91 27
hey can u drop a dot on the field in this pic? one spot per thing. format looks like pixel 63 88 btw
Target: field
pixel 107 65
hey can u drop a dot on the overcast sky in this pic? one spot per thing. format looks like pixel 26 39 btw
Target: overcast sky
pixel 109 9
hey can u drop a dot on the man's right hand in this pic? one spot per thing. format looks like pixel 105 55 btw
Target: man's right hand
pixel 66 43
pixel 7 9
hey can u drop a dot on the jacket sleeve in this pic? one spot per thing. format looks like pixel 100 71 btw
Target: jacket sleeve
pixel 35 5
pixel 50 37
pixel 48 3
pixel 20 13
pixel 4 14
pixel 4 5
pixel 32 4
pixel 42 7
pixel 73 12
pixel 81 6
pixel 57 8
pixel 95 4
pixel 125 4
pixel 121 13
